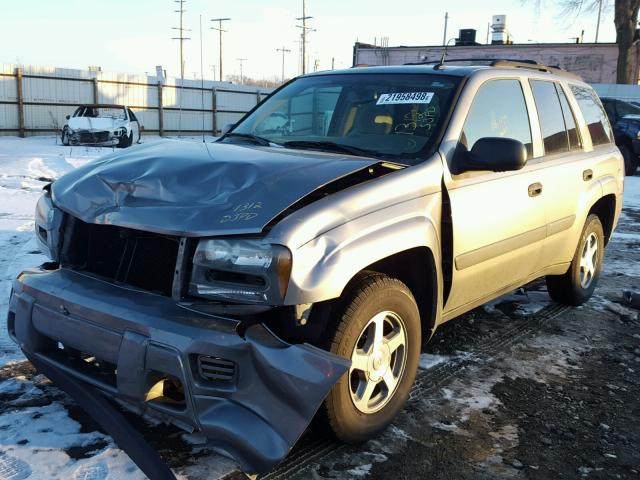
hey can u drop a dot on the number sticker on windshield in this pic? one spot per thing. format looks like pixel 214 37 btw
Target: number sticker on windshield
pixel 404 97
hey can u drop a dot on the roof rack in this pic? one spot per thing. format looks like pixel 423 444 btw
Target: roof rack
pixel 504 62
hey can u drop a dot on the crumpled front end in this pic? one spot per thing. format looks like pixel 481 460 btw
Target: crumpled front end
pixel 95 137
pixel 249 392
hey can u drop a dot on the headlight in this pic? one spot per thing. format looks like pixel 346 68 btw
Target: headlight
pixel 242 271
pixel 48 224
pixel 638 135
pixel 120 132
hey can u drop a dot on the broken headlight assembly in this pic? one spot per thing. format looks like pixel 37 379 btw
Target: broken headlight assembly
pixel 48 224
pixel 240 271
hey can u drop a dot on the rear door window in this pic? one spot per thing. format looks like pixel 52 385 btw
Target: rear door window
pixel 575 142
pixel 498 110
pixel 552 125
pixel 594 115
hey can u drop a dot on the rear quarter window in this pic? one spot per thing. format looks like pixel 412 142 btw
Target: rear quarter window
pixel 552 124
pixel 594 115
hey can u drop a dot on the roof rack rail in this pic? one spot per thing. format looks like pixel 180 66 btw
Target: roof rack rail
pixel 504 62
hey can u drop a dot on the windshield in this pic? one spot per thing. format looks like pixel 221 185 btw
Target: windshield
pixel 100 112
pixel 389 115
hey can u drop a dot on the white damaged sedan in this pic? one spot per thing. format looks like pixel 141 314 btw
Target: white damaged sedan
pixel 101 125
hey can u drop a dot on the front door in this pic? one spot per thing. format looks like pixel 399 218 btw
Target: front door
pixel 498 218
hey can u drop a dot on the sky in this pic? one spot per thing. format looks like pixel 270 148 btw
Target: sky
pixel 135 36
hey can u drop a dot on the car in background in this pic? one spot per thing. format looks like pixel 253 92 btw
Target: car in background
pixel 625 120
pixel 101 125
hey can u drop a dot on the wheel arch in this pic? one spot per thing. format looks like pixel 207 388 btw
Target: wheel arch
pixel 416 268
pixel 605 209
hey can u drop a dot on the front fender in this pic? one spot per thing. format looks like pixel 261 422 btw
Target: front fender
pixel 323 266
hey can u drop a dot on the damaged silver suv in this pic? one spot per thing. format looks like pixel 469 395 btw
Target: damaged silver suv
pixel 295 267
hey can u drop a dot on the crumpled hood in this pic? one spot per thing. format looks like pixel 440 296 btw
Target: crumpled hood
pixel 196 189
pixel 96 124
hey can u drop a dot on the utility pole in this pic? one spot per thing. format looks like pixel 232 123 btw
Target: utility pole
pixel 304 28
pixel 220 30
pixel 181 36
pixel 598 23
pixel 241 76
pixel 283 50
pixel 446 21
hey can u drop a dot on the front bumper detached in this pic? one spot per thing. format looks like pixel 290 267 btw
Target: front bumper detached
pixel 252 395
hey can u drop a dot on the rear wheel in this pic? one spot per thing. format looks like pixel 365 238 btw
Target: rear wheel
pixel 577 285
pixel 379 331
pixel 630 160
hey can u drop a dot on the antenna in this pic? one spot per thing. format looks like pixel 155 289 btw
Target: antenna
pixel 220 31
pixel 181 36
pixel 283 50
pixel 444 55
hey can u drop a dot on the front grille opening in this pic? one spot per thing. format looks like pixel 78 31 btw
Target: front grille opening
pixel 141 259
pixel 102 371
pixel 166 390
pixel 215 369
pixel 94 137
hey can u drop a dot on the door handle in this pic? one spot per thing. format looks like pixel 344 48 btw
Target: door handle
pixel 587 175
pixel 535 189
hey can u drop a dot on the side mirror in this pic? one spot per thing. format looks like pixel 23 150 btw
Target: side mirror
pixel 226 128
pixel 495 154
pixel 68 117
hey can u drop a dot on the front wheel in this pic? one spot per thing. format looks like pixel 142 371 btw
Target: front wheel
pixel 577 285
pixel 379 331
pixel 65 137
pixel 126 140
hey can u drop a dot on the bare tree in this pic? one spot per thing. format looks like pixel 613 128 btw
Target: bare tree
pixel 625 19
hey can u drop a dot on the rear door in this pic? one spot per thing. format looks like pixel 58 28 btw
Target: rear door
pixel 572 177
pixel 498 217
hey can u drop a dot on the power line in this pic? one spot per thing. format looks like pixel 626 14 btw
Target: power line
pixel 220 30
pixel 181 36
pixel 283 50
pixel 304 28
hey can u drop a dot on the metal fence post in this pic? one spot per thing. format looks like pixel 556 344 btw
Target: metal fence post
pixel 20 103
pixel 160 111
pixel 214 109
pixel 258 97
pixel 95 90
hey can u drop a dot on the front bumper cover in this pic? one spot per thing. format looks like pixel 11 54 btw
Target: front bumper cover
pixel 256 417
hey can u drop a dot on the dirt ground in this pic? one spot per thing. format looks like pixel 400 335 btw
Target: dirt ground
pixel 519 388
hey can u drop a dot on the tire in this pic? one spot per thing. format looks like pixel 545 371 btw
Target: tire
pixel 126 141
pixel 630 160
pixel 577 285
pixel 64 137
pixel 372 301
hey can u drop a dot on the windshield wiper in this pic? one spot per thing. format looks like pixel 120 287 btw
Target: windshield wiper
pixel 249 136
pixel 330 147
